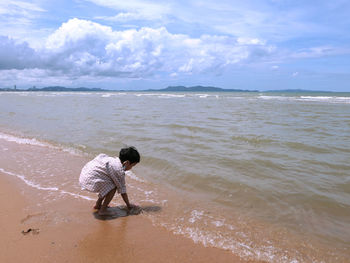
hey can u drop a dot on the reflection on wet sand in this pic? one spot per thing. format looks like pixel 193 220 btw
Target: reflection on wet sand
pixel 122 211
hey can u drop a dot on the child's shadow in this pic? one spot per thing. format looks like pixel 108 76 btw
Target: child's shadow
pixel 122 211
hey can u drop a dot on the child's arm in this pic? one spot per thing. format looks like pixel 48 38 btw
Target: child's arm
pixel 126 200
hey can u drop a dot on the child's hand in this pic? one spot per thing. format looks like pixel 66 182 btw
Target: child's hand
pixel 134 209
pixel 131 206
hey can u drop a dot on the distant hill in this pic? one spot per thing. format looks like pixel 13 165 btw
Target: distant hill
pixel 199 89
pixel 168 89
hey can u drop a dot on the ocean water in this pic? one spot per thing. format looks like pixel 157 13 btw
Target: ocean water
pixel 266 176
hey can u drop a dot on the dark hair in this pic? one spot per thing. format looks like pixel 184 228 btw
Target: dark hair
pixel 129 154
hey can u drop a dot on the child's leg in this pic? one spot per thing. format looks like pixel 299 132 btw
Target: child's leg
pixel 107 199
pixel 98 203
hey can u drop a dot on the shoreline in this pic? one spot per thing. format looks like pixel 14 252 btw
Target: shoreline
pixel 57 207
pixel 66 230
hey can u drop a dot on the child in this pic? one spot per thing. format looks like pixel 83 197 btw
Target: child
pixel 105 175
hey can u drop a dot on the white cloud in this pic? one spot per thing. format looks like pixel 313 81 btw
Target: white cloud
pixel 18 21
pixel 135 9
pixel 251 19
pixel 19 8
pixel 84 48
pixel 250 41
pixel 295 74
pixel 321 51
pixel 124 17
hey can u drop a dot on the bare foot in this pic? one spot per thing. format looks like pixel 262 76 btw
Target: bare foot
pixel 98 203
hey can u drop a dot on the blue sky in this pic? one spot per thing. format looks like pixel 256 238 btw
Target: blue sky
pixel 137 44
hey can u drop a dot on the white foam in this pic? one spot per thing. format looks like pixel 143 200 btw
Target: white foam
pixel 134 177
pixel 161 95
pixel 144 94
pixel 39 187
pixel 71 151
pixel 195 215
pixel 203 95
pixel 11 138
pixel 273 97
pixel 47 94
pixel 112 94
pixel 220 240
pixel 169 96
pixel 333 99
pixel 34 185
pixel 35 142
pixel 220 237
pixel 317 97
pixel 218 223
pixel 149 201
pixel 77 195
pixel 325 99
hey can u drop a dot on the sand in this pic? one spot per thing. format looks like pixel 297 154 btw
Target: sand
pixel 66 230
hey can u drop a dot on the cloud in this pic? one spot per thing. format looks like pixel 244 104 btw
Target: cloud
pixel 250 41
pixel 85 48
pixel 16 55
pixel 135 9
pixel 19 20
pixel 11 8
pixel 124 17
pixel 321 51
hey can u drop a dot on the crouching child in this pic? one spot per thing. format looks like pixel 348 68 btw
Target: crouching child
pixel 105 175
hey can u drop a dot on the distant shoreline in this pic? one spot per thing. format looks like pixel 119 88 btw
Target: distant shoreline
pixel 168 89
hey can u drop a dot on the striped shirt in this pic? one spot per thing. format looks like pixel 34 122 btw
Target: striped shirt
pixel 103 174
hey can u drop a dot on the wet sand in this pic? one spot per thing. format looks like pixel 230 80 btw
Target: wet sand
pixel 66 230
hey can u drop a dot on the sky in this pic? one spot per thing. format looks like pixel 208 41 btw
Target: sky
pixel 143 44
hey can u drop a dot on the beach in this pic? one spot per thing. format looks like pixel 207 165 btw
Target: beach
pixel 222 174
pixel 66 230
pixel 239 110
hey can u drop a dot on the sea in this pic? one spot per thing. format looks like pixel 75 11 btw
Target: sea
pixel 264 175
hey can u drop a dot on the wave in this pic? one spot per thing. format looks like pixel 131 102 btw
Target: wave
pixel 35 142
pixel 333 99
pixel 39 187
pixel 134 177
pixel 19 140
pixel 325 99
pixel 108 95
pixel 160 95
pixel 210 227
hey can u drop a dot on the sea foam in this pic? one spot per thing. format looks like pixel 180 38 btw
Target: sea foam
pixel 35 142
pixel 19 140
pixel 43 188
pixel 323 99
